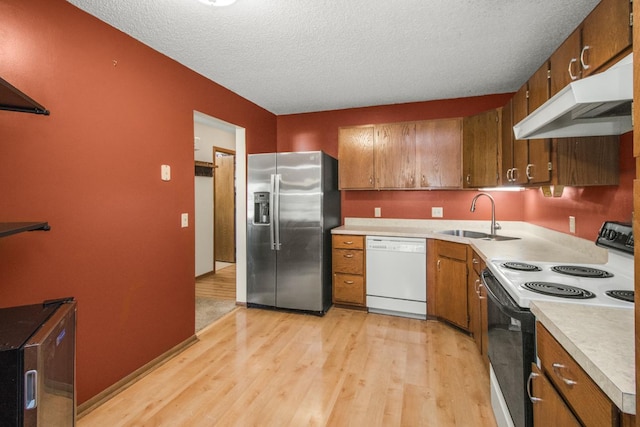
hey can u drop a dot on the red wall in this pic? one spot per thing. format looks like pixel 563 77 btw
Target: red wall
pixel 590 205
pixel 92 169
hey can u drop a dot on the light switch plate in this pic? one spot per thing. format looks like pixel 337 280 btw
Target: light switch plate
pixel 377 212
pixel 184 220
pixel 437 212
pixel 572 224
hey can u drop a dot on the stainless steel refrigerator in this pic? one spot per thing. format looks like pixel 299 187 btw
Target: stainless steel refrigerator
pixel 293 203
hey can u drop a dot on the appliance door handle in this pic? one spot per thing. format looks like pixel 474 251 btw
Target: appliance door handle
pixel 276 211
pixel 272 216
pixel 31 389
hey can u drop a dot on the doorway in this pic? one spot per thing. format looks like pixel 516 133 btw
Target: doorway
pixel 220 144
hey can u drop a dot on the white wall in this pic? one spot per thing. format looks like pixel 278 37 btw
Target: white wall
pixel 207 134
pixel 238 136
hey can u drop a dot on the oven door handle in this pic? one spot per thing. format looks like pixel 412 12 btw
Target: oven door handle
pixel 504 302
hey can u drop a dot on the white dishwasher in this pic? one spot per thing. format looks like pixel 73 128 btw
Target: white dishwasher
pixel 397 276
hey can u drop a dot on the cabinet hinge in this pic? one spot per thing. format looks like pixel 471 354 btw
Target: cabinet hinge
pixel 548 74
pixel 631 19
pixel 527 94
pixel 550 166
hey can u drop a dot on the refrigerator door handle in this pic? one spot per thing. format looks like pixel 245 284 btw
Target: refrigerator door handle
pixel 31 389
pixel 276 212
pixel 272 214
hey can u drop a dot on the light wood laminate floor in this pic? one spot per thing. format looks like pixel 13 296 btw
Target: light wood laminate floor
pixel 265 368
pixel 221 285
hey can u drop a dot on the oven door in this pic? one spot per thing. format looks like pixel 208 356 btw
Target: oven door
pixel 511 349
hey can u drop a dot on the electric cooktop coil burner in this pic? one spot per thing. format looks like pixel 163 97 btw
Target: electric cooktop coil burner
pixel 558 290
pixel 581 271
pixel 521 266
pixel 621 295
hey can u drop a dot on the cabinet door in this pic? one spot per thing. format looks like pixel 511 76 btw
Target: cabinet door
pixel 565 63
pixel 439 152
pixel 539 87
pixel 587 161
pixel 520 146
pixel 355 154
pixel 452 291
pixel 481 139
pixel 475 322
pixel 395 155
pixel 538 150
pixel 606 32
pixel 548 407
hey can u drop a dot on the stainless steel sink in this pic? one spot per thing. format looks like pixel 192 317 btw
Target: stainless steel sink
pixel 466 233
pixel 476 235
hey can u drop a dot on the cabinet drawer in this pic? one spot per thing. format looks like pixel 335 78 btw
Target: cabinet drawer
pixel 345 241
pixel 348 261
pixel 452 250
pixel 586 399
pixel 477 263
pixel 348 289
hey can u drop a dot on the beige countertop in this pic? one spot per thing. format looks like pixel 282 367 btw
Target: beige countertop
pixel 534 243
pixel 601 340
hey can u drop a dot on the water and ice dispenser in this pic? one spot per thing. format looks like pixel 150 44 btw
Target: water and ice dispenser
pixel 261 212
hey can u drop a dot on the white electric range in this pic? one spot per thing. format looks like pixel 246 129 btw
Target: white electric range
pixel 511 286
pixel 609 284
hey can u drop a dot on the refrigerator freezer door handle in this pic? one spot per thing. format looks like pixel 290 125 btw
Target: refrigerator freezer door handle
pixel 272 218
pixel 31 389
pixel 276 212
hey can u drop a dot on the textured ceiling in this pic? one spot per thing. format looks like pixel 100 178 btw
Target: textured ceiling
pixel 294 56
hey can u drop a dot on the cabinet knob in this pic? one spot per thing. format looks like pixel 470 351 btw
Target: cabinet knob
pixel 350 242
pixel 349 282
pixel 348 255
pixel 514 174
pixel 469 179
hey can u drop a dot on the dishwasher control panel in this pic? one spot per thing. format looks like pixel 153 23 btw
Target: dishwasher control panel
pixel 396 244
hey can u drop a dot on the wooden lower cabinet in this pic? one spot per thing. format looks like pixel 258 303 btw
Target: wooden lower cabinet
pixel 548 407
pixel 450 282
pixel 348 266
pixel 586 401
pixel 477 300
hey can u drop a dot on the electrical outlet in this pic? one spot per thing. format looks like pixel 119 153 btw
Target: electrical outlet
pixel 184 220
pixel 572 224
pixel 437 212
pixel 377 212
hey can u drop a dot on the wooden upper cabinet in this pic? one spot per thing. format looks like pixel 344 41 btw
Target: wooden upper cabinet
pixel 481 137
pixel 538 150
pixel 565 63
pixel 439 153
pixel 539 87
pixel 355 151
pixel 606 32
pixel 587 161
pixel 395 155
pixel 520 146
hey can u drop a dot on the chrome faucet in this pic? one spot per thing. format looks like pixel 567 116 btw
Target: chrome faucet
pixel 494 225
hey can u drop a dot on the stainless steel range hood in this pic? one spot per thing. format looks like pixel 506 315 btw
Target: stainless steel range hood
pixel 596 105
